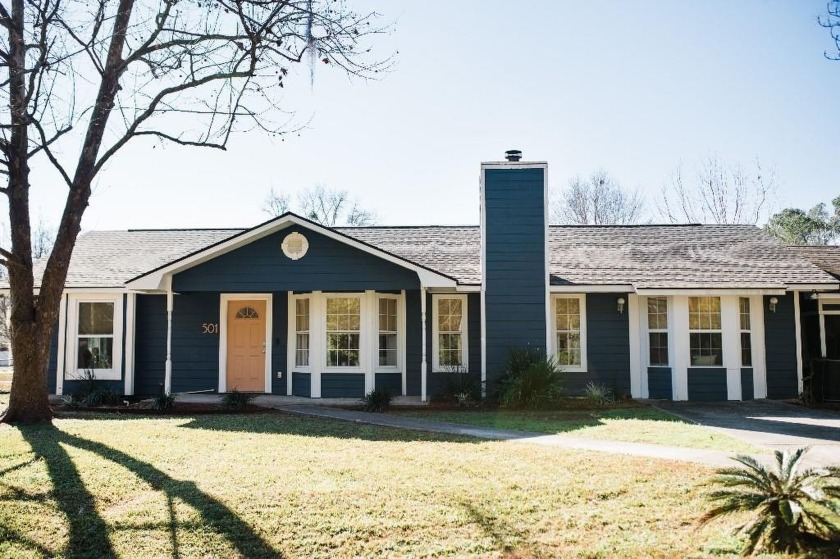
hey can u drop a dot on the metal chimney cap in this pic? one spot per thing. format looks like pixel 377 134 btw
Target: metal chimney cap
pixel 513 154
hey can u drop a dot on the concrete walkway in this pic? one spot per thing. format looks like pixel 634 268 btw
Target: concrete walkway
pixel 771 424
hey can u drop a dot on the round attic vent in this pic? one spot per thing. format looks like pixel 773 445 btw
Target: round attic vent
pixel 295 246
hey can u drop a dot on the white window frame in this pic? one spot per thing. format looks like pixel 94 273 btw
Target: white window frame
pixel 465 349
pixel 363 335
pixel 742 331
pixel 376 332
pixel 293 329
pixel 553 327
pixel 666 330
pixel 721 303
pixel 72 372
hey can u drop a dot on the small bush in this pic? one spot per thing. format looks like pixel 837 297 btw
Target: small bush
pixel 529 380
pixel 100 396
pixel 377 401
pixel 599 394
pixel 71 401
pixel 792 511
pixel 163 402
pixel 462 389
pixel 236 400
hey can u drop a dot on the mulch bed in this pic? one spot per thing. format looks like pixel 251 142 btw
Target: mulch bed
pixel 177 409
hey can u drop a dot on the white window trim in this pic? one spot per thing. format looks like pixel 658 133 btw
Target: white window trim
pixel 72 348
pixel 293 299
pixel 666 330
pixel 742 330
pixel 465 349
pixel 226 298
pixel 375 312
pixel 720 331
pixel 553 327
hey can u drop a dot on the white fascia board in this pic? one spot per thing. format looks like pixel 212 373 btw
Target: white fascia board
pixel 514 164
pixel 828 296
pixel 712 291
pixel 813 286
pixel 37 290
pixel 613 288
pixel 154 280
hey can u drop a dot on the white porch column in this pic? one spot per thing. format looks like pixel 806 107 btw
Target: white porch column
pixel 679 372
pixel 170 304
pixel 797 319
pixel 731 333
pixel 130 304
pixel 423 344
pixel 636 369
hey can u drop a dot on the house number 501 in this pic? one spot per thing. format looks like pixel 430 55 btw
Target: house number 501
pixel 209 328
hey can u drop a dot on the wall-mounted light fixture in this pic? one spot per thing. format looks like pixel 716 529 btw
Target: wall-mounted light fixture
pixel 814 295
pixel 773 302
pixel 620 303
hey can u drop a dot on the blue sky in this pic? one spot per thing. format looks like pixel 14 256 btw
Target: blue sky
pixel 634 87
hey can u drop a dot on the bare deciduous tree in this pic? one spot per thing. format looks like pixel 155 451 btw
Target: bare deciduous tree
pixel 718 193
pixel 599 200
pixel 831 21
pixel 323 205
pixel 85 78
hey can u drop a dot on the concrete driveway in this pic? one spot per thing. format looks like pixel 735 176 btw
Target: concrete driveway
pixel 775 425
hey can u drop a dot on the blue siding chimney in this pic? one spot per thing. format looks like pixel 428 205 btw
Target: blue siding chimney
pixel 514 231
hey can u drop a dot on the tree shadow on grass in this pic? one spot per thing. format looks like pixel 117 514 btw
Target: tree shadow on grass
pixel 88 535
pixel 506 538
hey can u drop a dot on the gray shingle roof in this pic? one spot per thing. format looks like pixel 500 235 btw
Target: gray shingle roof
pixel 824 257
pixel 650 256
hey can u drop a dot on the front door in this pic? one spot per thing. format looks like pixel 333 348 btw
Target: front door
pixel 246 346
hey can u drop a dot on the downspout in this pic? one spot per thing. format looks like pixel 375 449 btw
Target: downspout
pixel 423 344
pixel 170 304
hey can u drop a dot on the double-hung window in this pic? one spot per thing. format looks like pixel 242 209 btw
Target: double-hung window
pixel 569 328
pixel 387 350
pixel 449 351
pixel 746 335
pixel 95 342
pixel 657 311
pixel 704 331
pixel 344 322
pixel 302 332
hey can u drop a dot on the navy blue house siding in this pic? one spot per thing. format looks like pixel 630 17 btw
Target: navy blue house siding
pixel 747 391
pixel 413 341
pixel 301 384
pixel 149 344
pixel 52 367
pixel 438 383
pixel 392 382
pixel 261 267
pixel 659 383
pixel 195 354
pixel 342 385
pixel 780 344
pixel 279 334
pixel 515 262
pixel 607 344
pixel 707 384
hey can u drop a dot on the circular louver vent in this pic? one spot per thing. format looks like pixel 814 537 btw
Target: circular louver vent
pixel 295 246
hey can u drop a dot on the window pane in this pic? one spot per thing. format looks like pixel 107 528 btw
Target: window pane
pixel 568 348
pixel 658 348
pixel 657 313
pixel 706 349
pixel 746 349
pixel 387 350
pixel 744 307
pixel 302 350
pixel 96 318
pixel 704 313
pixel 95 352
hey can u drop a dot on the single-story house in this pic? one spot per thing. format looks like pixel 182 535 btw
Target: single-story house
pixel 291 307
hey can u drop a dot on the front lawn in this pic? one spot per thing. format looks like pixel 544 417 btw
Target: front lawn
pixel 628 422
pixel 267 485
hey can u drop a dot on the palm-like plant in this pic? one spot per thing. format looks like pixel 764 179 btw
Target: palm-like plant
pixel 793 510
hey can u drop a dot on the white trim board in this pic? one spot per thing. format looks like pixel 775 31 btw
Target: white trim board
pixel 154 280
pixel 226 298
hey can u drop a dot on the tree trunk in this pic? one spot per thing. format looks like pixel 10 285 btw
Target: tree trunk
pixel 31 349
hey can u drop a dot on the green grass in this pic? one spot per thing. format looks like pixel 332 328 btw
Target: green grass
pixel 265 485
pixel 638 424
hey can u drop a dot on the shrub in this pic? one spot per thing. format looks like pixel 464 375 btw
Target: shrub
pixel 71 401
pixel 163 401
pixel 377 400
pixel 529 380
pixel 236 400
pixel 793 511
pixel 462 389
pixel 599 393
pixel 100 396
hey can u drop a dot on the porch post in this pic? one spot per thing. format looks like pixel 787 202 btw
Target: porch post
pixel 170 303
pixel 797 321
pixel 423 344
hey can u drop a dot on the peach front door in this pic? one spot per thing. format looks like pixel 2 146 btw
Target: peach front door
pixel 246 346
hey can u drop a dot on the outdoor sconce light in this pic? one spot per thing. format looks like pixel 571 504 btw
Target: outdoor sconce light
pixel 814 295
pixel 773 302
pixel 621 302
